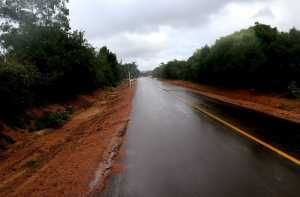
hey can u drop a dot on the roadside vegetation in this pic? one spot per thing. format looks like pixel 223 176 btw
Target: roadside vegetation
pixel 260 57
pixel 43 61
pixel 52 120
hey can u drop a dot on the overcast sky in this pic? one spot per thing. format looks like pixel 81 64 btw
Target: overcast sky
pixel 153 31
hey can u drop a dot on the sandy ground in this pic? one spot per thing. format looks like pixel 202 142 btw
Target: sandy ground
pixel 277 106
pixel 72 160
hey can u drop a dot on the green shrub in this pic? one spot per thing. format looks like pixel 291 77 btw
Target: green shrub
pixel 16 86
pixel 52 120
pixel 67 63
pixel 294 89
pixel 70 109
pixel 31 163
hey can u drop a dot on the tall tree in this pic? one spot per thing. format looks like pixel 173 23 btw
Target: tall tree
pixel 16 13
pixel 20 17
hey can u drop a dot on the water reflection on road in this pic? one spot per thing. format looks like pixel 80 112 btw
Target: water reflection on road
pixel 174 151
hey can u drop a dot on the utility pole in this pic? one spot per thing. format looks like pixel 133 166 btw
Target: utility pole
pixel 129 78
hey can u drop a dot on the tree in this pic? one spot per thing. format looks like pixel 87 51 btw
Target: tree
pixel 19 17
pixel 16 87
pixel 42 60
pixel 110 66
pixel 258 57
pixel 131 68
pixel 19 13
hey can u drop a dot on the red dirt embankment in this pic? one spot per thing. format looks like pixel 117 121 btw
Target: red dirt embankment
pixel 288 109
pixel 66 161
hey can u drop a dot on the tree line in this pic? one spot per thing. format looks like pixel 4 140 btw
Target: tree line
pixel 260 57
pixel 42 60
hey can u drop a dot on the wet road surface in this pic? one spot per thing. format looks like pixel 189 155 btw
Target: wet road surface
pixel 174 151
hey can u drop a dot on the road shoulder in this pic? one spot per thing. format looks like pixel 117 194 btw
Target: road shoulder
pixel 287 109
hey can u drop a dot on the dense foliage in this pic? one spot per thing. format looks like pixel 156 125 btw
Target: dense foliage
pixel 259 57
pixel 42 60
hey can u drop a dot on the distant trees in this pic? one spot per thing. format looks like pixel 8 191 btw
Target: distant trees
pixel 173 70
pixel 259 57
pixel 42 60
pixel 131 68
pixel 146 73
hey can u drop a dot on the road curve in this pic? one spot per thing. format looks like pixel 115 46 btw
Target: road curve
pixel 175 151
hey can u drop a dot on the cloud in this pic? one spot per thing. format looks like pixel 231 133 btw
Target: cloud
pixel 264 12
pixel 134 45
pixel 106 17
pixel 159 30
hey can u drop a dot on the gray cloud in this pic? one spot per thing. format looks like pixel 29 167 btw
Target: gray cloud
pixel 106 17
pixel 157 30
pixel 264 12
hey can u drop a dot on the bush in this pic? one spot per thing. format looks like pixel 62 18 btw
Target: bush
pixel 17 84
pixel 70 109
pixel 65 60
pixel 31 163
pixel 67 64
pixel 294 89
pixel 52 120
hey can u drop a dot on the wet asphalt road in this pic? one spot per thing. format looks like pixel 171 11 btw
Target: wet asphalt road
pixel 174 151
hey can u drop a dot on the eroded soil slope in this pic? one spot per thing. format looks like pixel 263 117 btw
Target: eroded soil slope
pixel 64 161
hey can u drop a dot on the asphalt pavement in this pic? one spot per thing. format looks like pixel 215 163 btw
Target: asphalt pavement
pixel 173 150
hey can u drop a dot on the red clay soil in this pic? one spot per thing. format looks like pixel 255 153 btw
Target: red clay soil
pixel 288 109
pixel 63 162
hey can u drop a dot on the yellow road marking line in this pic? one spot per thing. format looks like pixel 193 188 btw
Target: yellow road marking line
pixel 238 130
